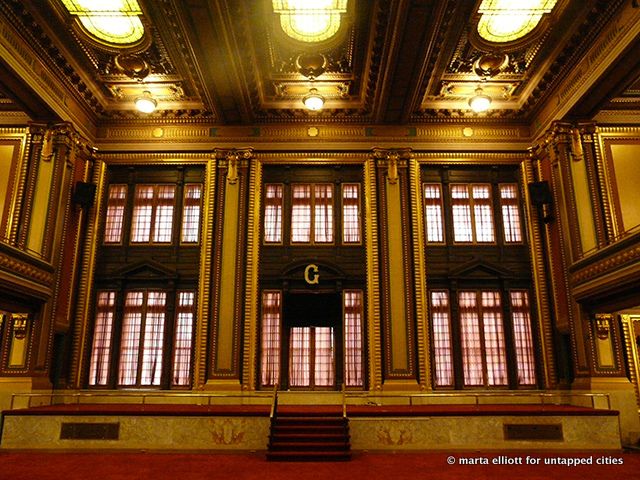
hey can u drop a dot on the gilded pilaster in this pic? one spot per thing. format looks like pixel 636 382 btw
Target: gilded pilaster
pixel 397 275
pixel 630 331
pixel 587 134
pixel 229 260
pixel 374 326
pixel 82 322
pixel 12 185
pixel 420 277
pixel 546 168
pixel 536 250
pixel 204 290
pixel 35 143
pixel 603 192
pixel 251 307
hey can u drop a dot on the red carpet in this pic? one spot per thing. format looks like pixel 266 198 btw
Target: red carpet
pixel 410 466
pixel 316 437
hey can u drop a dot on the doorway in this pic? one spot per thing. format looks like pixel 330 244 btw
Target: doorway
pixel 312 343
pixel 312 358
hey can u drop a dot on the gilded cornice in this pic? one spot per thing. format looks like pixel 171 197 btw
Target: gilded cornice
pixel 12 131
pixel 310 134
pixel 608 266
pixel 461 158
pixel 153 158
pixel 580 70
pixel 310 158
pixel 16 267
pixel 31 52
pixel 626 131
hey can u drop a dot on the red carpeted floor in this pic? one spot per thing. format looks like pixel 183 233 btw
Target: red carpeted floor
pixel 409 466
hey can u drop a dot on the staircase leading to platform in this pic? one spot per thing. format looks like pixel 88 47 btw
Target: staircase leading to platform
pixel 309 436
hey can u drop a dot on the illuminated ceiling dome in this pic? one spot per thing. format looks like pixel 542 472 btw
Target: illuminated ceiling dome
pixel 508 20
pixel 111 21
pixel 310 20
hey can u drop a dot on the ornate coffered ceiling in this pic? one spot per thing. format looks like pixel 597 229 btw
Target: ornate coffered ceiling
pixel 228 62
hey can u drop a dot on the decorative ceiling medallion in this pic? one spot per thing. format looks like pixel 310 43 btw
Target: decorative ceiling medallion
pixel 490 64
pixel 133 66
pixel 111 22
pixel 310 21
pixel 311 65
pixel 504 21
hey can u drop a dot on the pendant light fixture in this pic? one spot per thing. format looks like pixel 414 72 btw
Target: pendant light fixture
pixel 146 103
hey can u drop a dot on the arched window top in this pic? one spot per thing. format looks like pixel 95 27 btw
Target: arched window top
pixel 310 20
pixel 115 22
pixel 504 21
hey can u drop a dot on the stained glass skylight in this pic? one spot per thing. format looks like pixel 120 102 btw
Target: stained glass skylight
pixel 508 20
pixel 310 20
pixel 112 21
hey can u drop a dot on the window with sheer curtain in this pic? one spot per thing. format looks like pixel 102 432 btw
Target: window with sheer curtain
pixel 152 219
pixel 316 216
pixel 270 337
pixel 472 213
pixel 300 213
pixel 154 214
pixel 510 213
pixel 442 349
pixel 102 339
pixel 191 213
pixel 353 313
pixel 433 212
pixel 273 213
pixel 483 347
pixel 142 331
pixel 142 338
pixel 114 219
pixel 312 213
pixel 183 339
pixel 351 213
pixel 523 337
pixel 480 339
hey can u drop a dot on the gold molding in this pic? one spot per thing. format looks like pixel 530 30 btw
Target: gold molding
pixel 585 134
pixel 606 267
pixel 35 139
pixel 617 369
pixel 603 191
pixel 373 276
pixel 541 293
pixel 204 289
pixel 228 251
pixel 606 136
pixel 83 321
pixel 631 349
pixel 21 275
pixel 420 277
pixel 153 158
pixel 252 294
pixel 477 158
pixel 299 132
pixel 397 305
pixel 15 184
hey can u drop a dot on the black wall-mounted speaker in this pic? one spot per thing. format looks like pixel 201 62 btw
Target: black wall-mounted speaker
pixel 540 193
pixel 84 194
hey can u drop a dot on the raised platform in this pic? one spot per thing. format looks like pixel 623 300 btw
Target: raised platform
pixel 373 427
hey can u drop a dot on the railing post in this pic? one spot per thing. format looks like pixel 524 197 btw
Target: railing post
pixel 274 403
pixel 344 400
